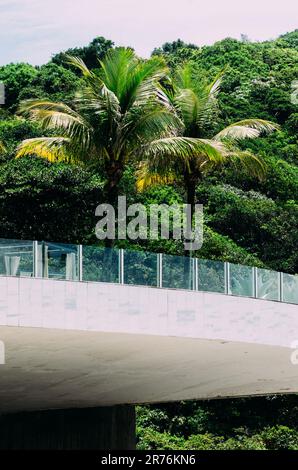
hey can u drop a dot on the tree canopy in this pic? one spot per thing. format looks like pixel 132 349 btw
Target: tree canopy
pixel 247 220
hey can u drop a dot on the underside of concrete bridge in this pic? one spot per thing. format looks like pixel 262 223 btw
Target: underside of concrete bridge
pixel 80 355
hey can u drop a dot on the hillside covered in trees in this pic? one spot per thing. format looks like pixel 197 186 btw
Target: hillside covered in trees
pixel 248 220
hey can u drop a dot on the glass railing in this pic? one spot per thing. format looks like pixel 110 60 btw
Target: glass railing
pixel 98 264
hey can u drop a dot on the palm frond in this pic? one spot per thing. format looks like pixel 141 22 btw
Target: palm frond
pixel 147 177
pixel 164 154
pixel 52 149
pixel 60 117
pixel 214 87
pixel 93 83
pixel 252 164
pixel 147 123
pixel 195 98
pixel 165 160
pixel 188 104
pixel 207 96
pixel 31 108
pixel 145 84
pixel 132 80
pixel 247 129
pixel 78 63
pixel 102 102
pixel 183 77
pixel 116 66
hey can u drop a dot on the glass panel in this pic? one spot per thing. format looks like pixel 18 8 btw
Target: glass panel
pixel 140 268
pixel 100 264
pixel 290 288
pixel 211 276
pixel 241 280
pixel 267 284
pixel 60 261
pixel 16 258
pixel 177 272
pixel 57 261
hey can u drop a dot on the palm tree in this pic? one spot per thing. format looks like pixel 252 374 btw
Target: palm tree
pixel 195 102
pixel 120 113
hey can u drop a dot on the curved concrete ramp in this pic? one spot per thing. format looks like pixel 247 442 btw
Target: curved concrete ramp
pixel 76 344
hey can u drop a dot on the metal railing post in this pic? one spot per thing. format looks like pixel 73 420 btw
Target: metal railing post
pixel 196 273
pixel 80 262
pixel 159 269
pixel 121 266
pixel 35 258
pixel 43 260
pixel 280 287
pixel 227 277
pixel 255 282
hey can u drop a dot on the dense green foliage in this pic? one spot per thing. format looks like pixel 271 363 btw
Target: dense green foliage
pixel 250 423
pixel 246 220
pixel 90 54
pixel 23 81
pixel 256 74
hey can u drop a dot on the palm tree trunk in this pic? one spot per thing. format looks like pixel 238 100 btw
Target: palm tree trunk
pixel 111 189
pixel 190 183
pixel 114 172
pixel 191 195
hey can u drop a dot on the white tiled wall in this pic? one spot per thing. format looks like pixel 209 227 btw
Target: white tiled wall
pixel 70 305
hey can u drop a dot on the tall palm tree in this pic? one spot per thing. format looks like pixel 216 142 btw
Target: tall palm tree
pixel 120 112
pixel 195 102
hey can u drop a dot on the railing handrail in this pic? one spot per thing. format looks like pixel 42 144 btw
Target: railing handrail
pixel 40 249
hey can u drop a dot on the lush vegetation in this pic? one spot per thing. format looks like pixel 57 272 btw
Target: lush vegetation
pixel 251 423
pixel 248 219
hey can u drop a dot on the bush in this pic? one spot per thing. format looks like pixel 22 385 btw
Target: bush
pixel 243 443
pixel 280 438
pixel 203 442
pixel 150 439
